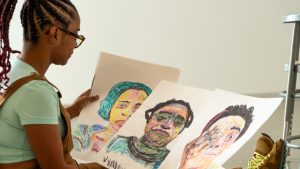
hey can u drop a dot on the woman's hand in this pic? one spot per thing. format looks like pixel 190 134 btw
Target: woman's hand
pixel 84 99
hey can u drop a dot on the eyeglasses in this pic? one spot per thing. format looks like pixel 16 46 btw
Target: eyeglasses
pixel 178 121
pixel 79 38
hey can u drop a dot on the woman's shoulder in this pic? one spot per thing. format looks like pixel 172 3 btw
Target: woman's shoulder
pixel 39 87
pixel 35 102
pixel 35 92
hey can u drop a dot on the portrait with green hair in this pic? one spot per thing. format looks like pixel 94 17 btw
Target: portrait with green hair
pixel 122 100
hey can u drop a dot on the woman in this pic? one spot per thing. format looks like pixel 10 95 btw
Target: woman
pixel 34 127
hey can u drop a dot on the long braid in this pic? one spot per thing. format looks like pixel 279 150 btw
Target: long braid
pixel 7 9
pixel 33 27
pixel 35 16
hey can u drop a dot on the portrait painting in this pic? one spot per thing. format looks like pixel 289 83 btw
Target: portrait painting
pixel 122 100
pixel 123 84
pixel 227 122
pixel 150 134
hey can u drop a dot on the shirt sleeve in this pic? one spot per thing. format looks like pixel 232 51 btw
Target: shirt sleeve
pixel 37 104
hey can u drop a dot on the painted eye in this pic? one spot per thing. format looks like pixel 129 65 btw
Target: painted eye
pixel 229 137
pixel 160 117
pixel 122 105
pixel 178 121
pixel 136 107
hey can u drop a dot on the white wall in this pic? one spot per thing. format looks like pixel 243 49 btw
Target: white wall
pixel 237 45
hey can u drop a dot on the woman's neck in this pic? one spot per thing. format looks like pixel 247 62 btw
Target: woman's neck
pixel 36 56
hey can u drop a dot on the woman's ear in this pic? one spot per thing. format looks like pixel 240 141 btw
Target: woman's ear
pixel 53 34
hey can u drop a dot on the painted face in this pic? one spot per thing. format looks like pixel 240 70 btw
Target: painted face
pixel 127 103
pixel 165 124
pixel 220 137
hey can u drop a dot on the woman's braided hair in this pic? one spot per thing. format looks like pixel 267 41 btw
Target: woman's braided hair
pixel 35 16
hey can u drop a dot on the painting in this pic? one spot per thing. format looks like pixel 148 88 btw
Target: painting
pixel 218 135
pixel 122 100
pixel 123 84
pixel 149 136
pixel 219 130
pixel 164 123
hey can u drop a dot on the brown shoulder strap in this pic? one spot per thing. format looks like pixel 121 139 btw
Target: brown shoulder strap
pixel 20 82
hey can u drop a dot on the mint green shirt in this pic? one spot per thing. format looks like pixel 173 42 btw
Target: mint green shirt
pixel 36 102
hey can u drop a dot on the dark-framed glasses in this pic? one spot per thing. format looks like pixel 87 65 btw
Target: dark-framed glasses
pixel 177 120
pixel 79 38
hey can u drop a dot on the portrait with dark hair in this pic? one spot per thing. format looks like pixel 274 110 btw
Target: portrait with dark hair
pixel 218 135
pixel 198 129
pixel 164 123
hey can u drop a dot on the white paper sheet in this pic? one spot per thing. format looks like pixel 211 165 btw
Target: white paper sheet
pixel 219 149
pixel 122 84
pixel 123 154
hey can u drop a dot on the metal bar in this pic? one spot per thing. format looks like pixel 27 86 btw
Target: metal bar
pixel 291 18
pixel 290 138
pixel 291 85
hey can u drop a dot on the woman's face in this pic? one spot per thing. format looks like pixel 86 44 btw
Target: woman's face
pixel 66 44
pixel 126 104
